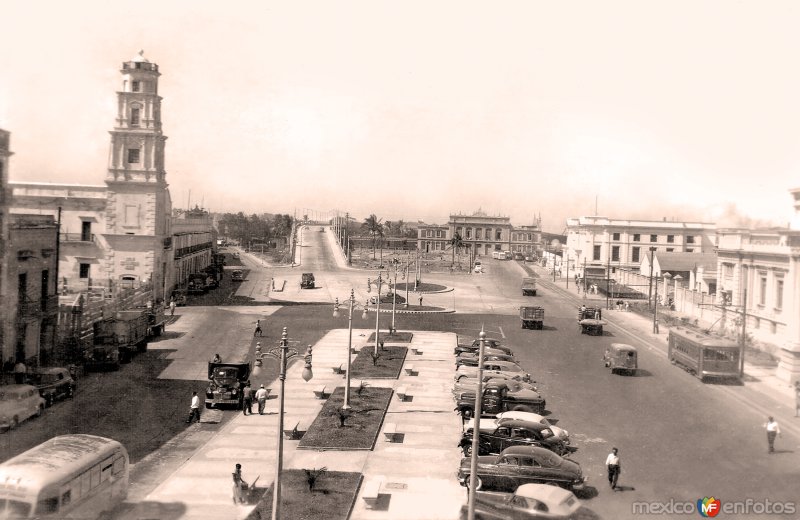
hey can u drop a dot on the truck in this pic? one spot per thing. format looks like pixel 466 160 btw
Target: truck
pixel 226 384
pixel 126 331
pixel 498 397
pixel 532 317
pixel 197 284
pixel 528 286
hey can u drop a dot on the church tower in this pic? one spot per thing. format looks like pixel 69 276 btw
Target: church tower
pixel 138 207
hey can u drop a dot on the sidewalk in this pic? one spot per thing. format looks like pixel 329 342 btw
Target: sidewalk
pixel 201 488
pixel 771 395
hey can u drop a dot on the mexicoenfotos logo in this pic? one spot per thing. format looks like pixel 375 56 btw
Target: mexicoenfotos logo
pixel 708 507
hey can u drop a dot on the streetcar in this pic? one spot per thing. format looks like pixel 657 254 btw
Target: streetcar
pixel 704 355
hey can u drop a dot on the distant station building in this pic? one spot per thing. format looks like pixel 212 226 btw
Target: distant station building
pixel 481 234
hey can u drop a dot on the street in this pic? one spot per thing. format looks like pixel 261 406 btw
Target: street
pixel 678 439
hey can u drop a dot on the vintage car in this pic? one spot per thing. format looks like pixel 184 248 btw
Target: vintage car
pixel 470 383
pixel 621 358
pixel 227 380
pixel 18 403
pixel 53 383
pixel 497 396
pixel 237 275
pixel 529 502
pixel 471 360
pixel 516 433
pixel 307 281
pixel 560 433
pixel 520 465
pixel 467 346
pixel 499 367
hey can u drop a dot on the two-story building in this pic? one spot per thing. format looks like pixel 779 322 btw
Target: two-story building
pixel 480 235
pixel 596 244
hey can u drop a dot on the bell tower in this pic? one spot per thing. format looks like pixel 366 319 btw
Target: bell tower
pixel 138 206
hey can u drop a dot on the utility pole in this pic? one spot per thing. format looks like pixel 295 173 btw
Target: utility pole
pixel 743 339
pixel 650 287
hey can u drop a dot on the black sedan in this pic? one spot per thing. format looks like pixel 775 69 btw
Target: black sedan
pixel 523 465
pixel 516 433
pixel 53 383
pixel 475 345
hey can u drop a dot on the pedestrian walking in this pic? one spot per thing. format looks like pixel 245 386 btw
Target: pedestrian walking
pixel 258 329
pixel 216 359
pixel 247 399
pixel 420 300
pixel 239 485
pixel 261 397
pixel 797 398
pixel 20 370
pixel 172 307
pixel 612 463
pixel 773 430
pixel 627 306
pixel 194 408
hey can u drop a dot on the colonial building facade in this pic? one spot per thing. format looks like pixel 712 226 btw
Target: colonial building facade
pixel 120 233
pixel 595 244
pixel 759 276
pixel 481 234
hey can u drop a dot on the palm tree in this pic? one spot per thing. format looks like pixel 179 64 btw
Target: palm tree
pixel 456 242
pixel 373 226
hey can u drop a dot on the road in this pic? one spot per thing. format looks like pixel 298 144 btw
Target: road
pixel 679 439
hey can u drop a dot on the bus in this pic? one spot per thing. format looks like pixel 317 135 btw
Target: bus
pixel 704 355
pixel 69 476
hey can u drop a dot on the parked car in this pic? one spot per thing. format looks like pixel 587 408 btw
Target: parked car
pixel 507 367
pixel 516 433
pixel 529 502
pixel 520 465
pixel 466 384
pixel 560 433
pixel 226 382
pixel 471 360
pixel 475 345
pixel 18 403
pixel 53 383
pixel 237 275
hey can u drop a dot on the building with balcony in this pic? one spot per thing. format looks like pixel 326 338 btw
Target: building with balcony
pixel 30 305
pixel 192 244
pixel 119 233
pixel 597 244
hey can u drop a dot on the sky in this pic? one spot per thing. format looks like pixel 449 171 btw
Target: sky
pixel 415 110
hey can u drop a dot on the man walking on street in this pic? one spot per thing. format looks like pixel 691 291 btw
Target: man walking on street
pixel 247 403
pixel 261 397
pixel 612 462
pixel 172 307
pixel 258 329
pixel 773 430
pixel 194 409
pixel 420 300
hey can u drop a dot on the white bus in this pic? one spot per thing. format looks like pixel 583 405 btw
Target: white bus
pixel 69 476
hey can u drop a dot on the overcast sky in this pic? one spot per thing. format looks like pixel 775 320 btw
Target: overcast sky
pixel 416 110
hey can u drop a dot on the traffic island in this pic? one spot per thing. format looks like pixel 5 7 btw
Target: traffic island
pixel 421 287
pixel 354 429
pixel 388 337
pixel 385 365
pixel 329 497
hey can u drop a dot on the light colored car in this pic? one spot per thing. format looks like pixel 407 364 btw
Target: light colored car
pixel 528 502
pixel 499 367
pixel 560 433
pixel 18 403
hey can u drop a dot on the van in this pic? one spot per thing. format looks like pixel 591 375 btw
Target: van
pixel 621 358
pixel 307 281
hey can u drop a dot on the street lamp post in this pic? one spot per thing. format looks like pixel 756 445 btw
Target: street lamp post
pixel 394 294
pixel 378 283
pixel 283 353
pixel 476 431
pixel 352 301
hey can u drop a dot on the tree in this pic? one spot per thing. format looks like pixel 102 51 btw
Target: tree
pixel 373 226
pixel 312 475
pixel 456 242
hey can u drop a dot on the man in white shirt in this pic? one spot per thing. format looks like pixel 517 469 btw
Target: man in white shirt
pixel 773 430
pixel 194 410
pixel 612 462
pixel 261 397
